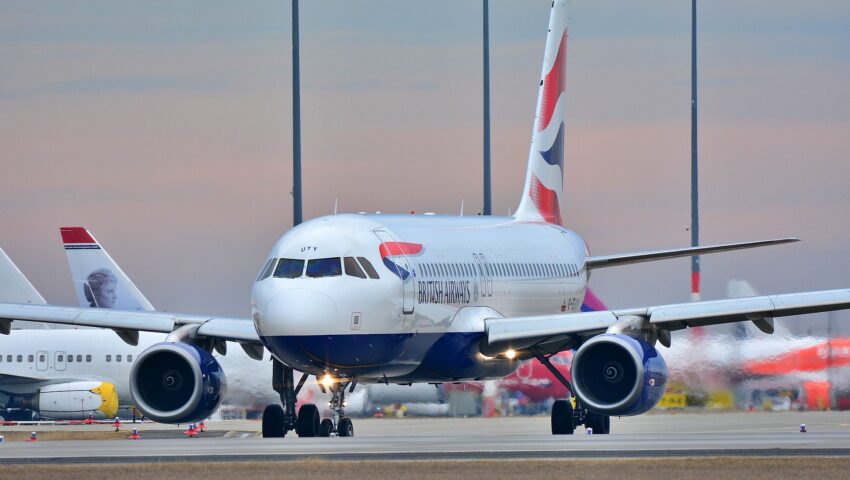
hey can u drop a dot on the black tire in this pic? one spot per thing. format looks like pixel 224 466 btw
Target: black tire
pixel 325 427
pixel 562 418
pixel 307 424
pixel 273 422
pixel 601 424
pixel 346 427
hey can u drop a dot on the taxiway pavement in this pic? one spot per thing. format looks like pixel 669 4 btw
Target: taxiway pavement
pixel 655 435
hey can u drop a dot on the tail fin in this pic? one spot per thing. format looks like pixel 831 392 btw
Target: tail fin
pixel 544 177
pixel 14 286
pixel 98 280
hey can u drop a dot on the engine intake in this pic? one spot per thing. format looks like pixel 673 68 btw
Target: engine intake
pixel 177 383
pixel 616 374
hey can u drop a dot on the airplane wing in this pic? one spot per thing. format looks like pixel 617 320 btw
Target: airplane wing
pixel 218 328
pixel 553 333
pixel 639 257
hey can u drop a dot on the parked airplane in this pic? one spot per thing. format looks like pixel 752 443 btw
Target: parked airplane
pixel 408 299
pixel 68 388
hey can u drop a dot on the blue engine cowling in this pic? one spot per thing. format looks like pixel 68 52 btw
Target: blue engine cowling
pixel 177 383
pixel 616 374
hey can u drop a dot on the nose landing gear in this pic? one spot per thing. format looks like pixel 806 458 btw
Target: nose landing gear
pixel 278 420
pixel 338 424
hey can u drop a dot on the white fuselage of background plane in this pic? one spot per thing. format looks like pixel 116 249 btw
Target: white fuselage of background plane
pixel 41 357
pixel 421 326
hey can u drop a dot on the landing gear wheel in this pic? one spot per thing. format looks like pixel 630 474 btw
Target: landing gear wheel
pixel 326 427
pixel 346 427
pixel 273 422
pixel 562 418
pixel 307 424
pixel 601 424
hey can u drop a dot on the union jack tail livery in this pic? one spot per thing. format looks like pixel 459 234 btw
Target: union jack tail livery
pixel 545 175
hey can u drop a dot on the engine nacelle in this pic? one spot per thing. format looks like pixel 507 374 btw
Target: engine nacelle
pixel 616 374
pixel 177 383
pixel 76 400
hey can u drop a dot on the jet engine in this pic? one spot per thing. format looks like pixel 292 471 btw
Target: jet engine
pixel 174 382
pixel 615 374
pixel 75 400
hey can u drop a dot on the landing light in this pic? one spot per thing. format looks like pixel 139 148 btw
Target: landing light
pixel 510 354
pixel 328 381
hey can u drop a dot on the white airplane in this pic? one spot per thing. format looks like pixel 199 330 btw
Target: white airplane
pixel 38 372
pixel 408 299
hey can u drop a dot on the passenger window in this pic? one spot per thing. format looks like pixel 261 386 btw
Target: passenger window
pixel 1 358
pixel 59 358
pixel 88 358
pixel 352 269
pixel 117 358
pixel 8 358
pixel 30 358
pixel 109 358
pixel 324 267
pixel 79 358
pixel 290 268
pixel 129 358
pixel 70 359
pixel 370 270
pixel 266 270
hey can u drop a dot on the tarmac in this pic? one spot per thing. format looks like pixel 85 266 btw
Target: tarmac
pixel 756 434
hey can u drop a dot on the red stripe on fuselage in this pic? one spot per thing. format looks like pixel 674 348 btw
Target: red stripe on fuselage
pixel 546 201
pixel 388 249
pixel 75 235
pixel 553 85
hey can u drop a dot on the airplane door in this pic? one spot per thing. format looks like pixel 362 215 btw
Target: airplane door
pixel 59 361
pixel 41 361
pixel 392 252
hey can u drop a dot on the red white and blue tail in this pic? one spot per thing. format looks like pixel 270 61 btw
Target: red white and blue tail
pixel 541 197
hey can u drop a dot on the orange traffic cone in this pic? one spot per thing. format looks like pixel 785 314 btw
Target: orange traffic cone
pixel 192 431
pixel 116 423
pixel 33 437
pixel 134 435
pixel 201 426
pixel 89 420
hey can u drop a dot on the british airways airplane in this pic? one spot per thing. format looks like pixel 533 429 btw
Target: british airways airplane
pixel 406 299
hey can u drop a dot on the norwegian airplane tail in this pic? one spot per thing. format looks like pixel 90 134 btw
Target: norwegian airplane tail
pixel 544 178
pixel 98 281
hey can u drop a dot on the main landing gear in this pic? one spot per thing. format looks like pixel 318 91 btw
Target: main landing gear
pixel 565 418
pixel 278 420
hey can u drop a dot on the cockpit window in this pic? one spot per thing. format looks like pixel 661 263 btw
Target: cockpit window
pixel 289 268
pixel 370 270
pixel 351 268
pixel 267 269
pixel 324 267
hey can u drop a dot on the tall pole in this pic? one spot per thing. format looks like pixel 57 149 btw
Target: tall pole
pixel 296 120
pixel 487 194
pixel 695 296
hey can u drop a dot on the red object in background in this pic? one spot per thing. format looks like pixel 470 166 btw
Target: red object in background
pixel 810 359
pixel 536 382
pixel 817 395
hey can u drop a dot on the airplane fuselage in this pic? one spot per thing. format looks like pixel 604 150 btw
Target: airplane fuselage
pixel 422 319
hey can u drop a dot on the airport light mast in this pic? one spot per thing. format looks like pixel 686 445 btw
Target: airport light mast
pixel 488 207
pixel 296 120
pixel 695 271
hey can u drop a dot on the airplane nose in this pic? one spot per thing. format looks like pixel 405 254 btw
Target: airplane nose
pixel 298 312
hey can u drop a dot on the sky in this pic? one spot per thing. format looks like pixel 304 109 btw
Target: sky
pixel 165 128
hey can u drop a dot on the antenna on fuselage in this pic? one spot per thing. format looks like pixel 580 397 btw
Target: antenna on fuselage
pixel 461 207
pixel 336 202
